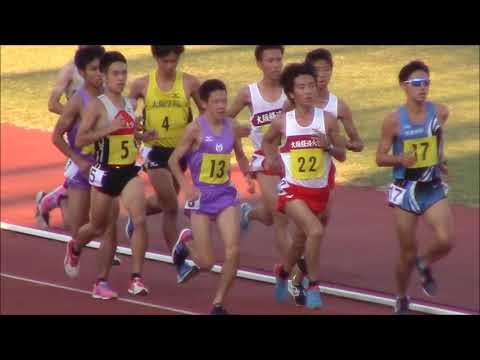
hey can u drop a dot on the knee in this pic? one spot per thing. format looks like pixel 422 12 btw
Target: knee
pixel 232 253
pixel 139 221
pixel 316 232
pixel 445 241
pixel 268 220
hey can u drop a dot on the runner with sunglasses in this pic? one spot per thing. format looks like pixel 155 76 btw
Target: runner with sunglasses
pixel 415 130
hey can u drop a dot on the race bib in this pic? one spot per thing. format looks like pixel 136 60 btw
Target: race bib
pixel 122 150
pixel 71 169
pixel 215 168
pixel 307 164
pixel 396 194
pixel 193 204
pixel 96 176
pixel 425 150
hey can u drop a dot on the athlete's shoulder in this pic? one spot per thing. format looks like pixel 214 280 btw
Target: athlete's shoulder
pixel 342 106
pixel 442 111
pixel 190 80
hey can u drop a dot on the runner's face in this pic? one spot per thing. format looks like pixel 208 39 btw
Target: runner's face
pixel 168 64
pixel 304 89
pixel 216 105
pixel 324 73
pixel 116 77
pixel 271 63
pixel 92 74
pixel 417 93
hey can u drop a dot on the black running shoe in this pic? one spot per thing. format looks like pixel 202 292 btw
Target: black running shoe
pixel 218 310
pixel 429 284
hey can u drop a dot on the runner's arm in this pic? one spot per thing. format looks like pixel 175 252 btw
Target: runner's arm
pixel 64 78
pixel 136 91
pixel 194 85
pixel 242 100
pixel 345 115
pixel 185 144
pixel 337 141
pixel 64 123
pixel 388 133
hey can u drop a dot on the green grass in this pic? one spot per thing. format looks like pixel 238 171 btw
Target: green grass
pixel 365 76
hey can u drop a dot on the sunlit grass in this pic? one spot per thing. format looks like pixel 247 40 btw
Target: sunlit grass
pixel 364 76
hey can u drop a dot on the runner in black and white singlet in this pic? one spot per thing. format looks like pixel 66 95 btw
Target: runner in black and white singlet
pixel 109 123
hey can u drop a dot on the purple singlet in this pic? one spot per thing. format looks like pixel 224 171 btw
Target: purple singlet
pixel 210 169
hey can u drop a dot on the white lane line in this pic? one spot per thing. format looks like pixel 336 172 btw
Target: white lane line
pixel 166 308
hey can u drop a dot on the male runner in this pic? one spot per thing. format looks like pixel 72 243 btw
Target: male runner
pixel 109 123
pixel 322 61
pixel 415 130
pixel 265 99
pixel 207 144
pixel 166 93
pixel 311 140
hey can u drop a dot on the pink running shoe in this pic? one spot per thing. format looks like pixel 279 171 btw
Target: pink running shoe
pixel 71 262
pixel 101 290
pixel 137 287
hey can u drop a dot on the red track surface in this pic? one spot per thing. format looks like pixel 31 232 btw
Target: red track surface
pixel 359 251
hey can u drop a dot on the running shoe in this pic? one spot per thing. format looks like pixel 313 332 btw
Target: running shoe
pixel 429 285
pixel 180 250
pixel 281 285
pixel 41 219
pixel 185 272
pixel 72 261
pixel 101 290
pixel 218 310
pixel 137 287
pixel 297 291
pixel 313 299
pixel 402 305
pixel 116 261
pixel 245 209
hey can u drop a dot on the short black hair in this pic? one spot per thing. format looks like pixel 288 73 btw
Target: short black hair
pixel 410 68
pixel 85 55
pixel 259 49
pixel 210 86
pixel 319 54
pixel 109 58
pixel 159 51
pixel 292 71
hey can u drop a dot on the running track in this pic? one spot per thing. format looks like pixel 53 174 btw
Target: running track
pixel 359 252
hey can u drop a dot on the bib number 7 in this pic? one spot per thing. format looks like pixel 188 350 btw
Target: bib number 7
pixel 396 194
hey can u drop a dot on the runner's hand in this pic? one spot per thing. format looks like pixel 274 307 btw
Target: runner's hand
pixel 242 131
pixel 274 164
pixel 83 166
pixel 408 159
pixel 250 184
pixel 191 193
pixel 355 146
pixel 324 142
pixel 150 135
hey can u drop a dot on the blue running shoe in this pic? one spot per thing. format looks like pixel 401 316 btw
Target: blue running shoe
pixel 313 298
pixel 429 285
pixel 245 208
pixel 185 272
pixel 402 305
pixel 129 228
pixel 281 285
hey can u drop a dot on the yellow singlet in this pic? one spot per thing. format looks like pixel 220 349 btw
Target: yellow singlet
pixel 167 112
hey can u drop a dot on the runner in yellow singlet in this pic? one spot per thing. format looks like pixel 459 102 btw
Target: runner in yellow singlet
pixel 166 93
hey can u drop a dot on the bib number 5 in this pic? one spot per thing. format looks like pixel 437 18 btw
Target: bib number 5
pixel 96 176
